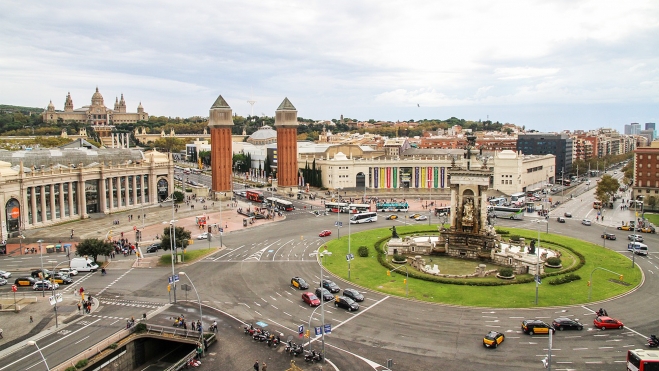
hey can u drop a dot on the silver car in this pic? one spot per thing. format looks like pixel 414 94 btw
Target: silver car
pixel 635 237
pixel 586 222
pixel 5 274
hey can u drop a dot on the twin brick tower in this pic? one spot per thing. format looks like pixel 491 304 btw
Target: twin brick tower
pixel 221 122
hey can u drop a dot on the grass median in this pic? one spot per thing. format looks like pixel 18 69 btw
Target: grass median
pixel 190 255
pixel 368 272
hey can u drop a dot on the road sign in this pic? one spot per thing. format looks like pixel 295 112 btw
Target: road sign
pixel 328 328
pixel 58 297
pixel 338 224
pixel 221 230
pixel 350 257
pixel 51 299
pixel 300 330
pixel 14 288
pixel 185 287
pixel 173 279
pixel 318 330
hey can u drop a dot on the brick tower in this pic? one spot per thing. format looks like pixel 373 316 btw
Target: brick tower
pixel 286 126
pixel 220 123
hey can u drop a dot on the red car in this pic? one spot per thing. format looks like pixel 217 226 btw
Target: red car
pixel 607 322
pixel 311 299
pixel 324 233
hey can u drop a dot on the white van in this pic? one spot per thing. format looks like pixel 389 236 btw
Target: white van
pixel 638 248
pixel 83 265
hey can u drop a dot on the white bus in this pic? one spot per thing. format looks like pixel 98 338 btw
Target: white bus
pixel 369 217
pixel 499 201
pixel 518 198
pixel 336 207
pixel 359 208
pixel 506 212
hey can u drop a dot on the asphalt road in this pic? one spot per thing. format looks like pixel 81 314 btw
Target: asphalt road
pixel 250 280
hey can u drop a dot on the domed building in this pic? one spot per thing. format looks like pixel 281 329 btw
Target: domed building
pixel 265 135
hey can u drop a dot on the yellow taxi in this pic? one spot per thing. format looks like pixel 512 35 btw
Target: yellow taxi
pixel 61 279
pixel 535 326
pixel 25 281
pixel 493 339
pixel 625 228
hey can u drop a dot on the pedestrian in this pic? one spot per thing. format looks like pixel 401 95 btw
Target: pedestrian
pixel 265 367
pixel 2 337
pixel 79 307
pixel 193 325
pixel 256 365
pixel 31 320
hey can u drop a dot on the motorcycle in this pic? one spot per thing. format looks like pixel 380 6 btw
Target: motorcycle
pixel 249 329
pixel 273 340
pixel 289 346
pixel 312 356
pixel 261 336
pixel 653 342
pixel 601 312
pixel 299 349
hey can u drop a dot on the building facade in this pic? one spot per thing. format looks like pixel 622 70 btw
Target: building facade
pixel 286 125
pixel 96 113
pixel 646 174
pixel 559 145
pixel 45 187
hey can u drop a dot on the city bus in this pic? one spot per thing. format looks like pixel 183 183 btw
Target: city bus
pixel 642 360
pixel 518 198
pixel 368 217
pixel 443 211
pixel 499 201
pixel 516 213
pixel 392 206
pixel 359 208
pixel 255 196
pixel 335 207
pixel 279 204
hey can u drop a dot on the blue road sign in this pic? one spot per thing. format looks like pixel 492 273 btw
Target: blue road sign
pixel 221 230
pixel 328 328
pixel 173 279
pixel 300 329
pixel 318 330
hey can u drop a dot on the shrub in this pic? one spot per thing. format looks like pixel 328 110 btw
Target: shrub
pixel 141 327
pixel 515 237
pixel 400 258
pixel 506 272
pixel 82 363
pixel 565 279
pixel 113 346
pixel 554 260
pixel 363 251
pixel 501 232
pixel 70 368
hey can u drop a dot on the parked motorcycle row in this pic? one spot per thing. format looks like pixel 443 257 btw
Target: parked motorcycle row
pixel 273 340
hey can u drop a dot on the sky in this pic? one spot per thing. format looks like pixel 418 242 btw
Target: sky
pixel 542 64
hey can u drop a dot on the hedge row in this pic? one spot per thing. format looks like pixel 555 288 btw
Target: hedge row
pixel 382 259
pixel 565 279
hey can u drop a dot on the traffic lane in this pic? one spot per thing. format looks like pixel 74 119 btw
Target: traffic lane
pixel 28 263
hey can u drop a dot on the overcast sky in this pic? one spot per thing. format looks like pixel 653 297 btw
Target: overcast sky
pixel 547 65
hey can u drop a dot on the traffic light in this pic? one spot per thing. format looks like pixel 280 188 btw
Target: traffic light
pixel 621 277
pixel 307 334
pixel 405 280
pixel 588 283
pixel 388 273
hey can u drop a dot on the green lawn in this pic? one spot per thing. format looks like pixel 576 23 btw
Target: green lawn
pixel 367 272
pixel 190 255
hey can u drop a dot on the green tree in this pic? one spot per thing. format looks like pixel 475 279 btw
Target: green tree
pixel 205 157
pixel 267 166
pixel 169 144
pixel 94 247
pixel 652 202
pixel 182 238
pixel 606 188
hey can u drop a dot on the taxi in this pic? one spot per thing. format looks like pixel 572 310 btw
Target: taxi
pixel 299 283
pixel 392 217
pixel 61 279
pixel 25 281
pixel 535 326
pixel 493 339
pixel 647 230
pixel 625 228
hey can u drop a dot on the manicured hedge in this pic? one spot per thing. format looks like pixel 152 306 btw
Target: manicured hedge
pixel 565 279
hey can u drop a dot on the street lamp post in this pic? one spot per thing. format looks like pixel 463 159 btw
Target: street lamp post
pixel 201 314
pixel 43 289
pixel 537 265
pixel 34 343
pixel 172 246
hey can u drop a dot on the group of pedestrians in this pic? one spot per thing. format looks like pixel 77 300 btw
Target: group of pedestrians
pixel 85 306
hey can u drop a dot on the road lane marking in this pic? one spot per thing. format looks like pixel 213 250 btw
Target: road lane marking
pixel 81 340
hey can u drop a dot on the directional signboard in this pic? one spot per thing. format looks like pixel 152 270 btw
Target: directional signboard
pixel 300 330
pixel 328 328
pixel 318 330
pixel 173 279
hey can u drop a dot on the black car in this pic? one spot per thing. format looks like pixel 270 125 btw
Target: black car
pixel 323 293
pixel 535 326
pixel 353 294
pixel 331 286
pixel 299 283
pixel 154 248
pixel 346 303
pixel 608 236
pixel 37 274
pixel 563 323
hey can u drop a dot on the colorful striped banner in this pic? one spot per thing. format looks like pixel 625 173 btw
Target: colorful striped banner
pixel 376 175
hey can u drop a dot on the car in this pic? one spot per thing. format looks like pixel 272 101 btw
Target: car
pixel 563 323
pixel 325 233
pixel 635 237
pixel 615 172
pixel 311 299
pixel 625 228
pixel 535 326
pixel 44 285
pixel 560 219
pixel 392 217
pixel 203 236
pixel 493 339
pixel 420 218
pixel 152 249
pixel 414 216
pixel 324 293
pixel 299 283
pixel 3 281
pixel 608 236
pixel 68 271
pixel 604 322
pixel 648 230
pixel 586 222
pixel 346 303
pixel 567 215
pixel 61 278
pixel 25 281
pixel 5 274
pixel 330 285
pixel 353 294
pixel 39 274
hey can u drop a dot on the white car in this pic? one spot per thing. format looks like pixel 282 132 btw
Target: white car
pixel 5 274
pixel 586 222
pixel 70 271
pixel 203 236
pixel 635 237
pixel 420 218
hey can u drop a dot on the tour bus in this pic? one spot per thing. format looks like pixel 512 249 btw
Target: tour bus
pixel 335 207
pixel 499 201
pixel 518 198
pixel 392 206
pixel 642 360
pixel 359 208
pixel 368 217
pixel 516 213
pixel 255 196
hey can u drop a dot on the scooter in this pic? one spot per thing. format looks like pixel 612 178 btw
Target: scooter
pixel 289 346
pixel 312 356
pixel 249 329
pixel 653 342
pixel 601 312
pixel 299 349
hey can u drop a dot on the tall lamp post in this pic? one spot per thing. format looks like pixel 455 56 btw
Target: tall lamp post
pixel 43 289
pixel 172 246
pixel 537 265
pixel 34 343
pixel 338 213
pixel 201 314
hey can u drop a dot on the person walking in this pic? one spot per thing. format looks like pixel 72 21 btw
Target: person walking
pixel 31 320
pixel 256 365
pixel 2 337
pixel 265 367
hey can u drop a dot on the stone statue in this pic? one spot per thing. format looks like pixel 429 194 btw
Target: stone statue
pixel 532 248
pixel 394 234
pixel 468 211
